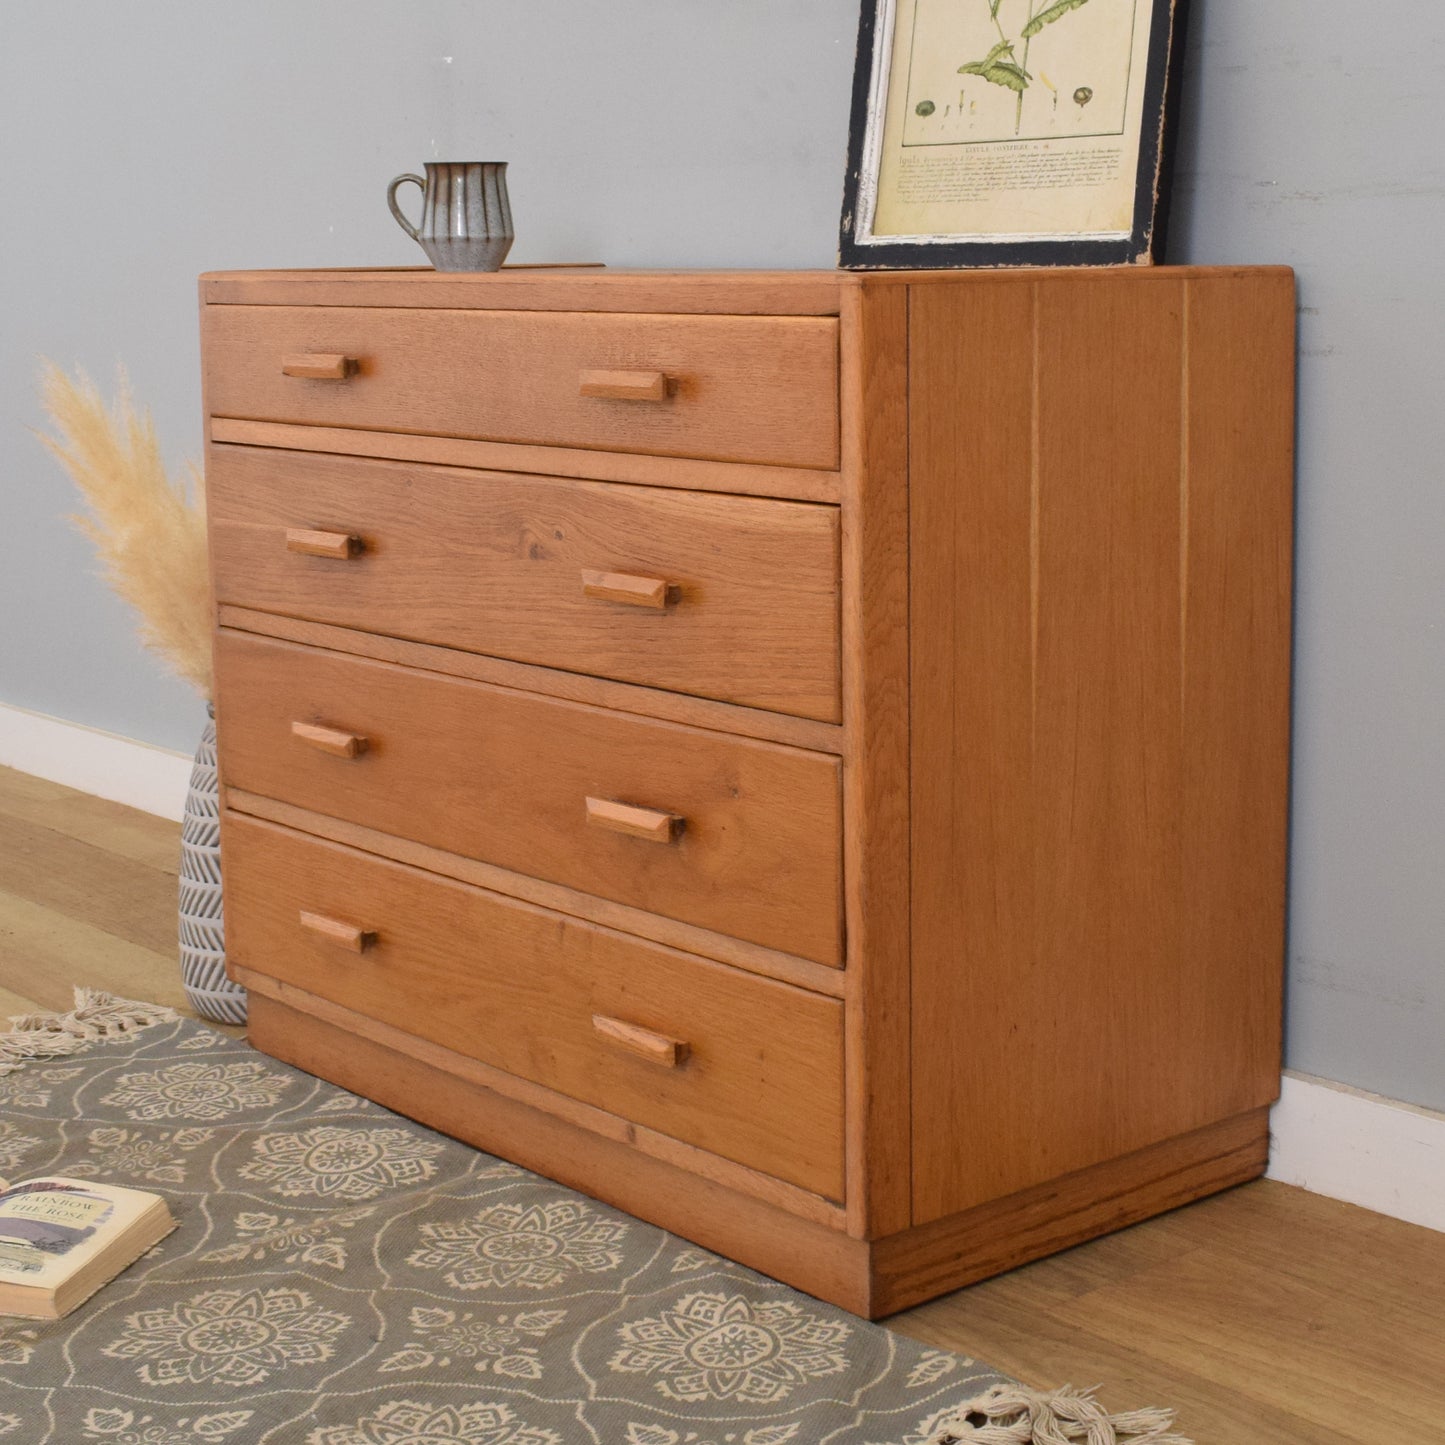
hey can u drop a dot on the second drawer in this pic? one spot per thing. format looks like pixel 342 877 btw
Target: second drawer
pixel 725 597
pixel 729 834
pixel 738 1065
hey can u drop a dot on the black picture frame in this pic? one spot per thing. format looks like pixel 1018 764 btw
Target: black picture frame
pixel 859 250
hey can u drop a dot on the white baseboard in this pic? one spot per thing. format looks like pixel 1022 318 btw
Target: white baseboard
pixel 121 769
pixel 1346 1144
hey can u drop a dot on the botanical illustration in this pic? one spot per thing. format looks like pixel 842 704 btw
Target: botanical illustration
pixel 988 72
pixel 1004 65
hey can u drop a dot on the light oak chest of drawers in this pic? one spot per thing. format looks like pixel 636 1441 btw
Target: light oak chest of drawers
pixel 800 757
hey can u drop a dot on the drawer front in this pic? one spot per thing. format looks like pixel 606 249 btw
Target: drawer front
pixel 727 597
pixel 730 388
pixel 729 834
pixel 738 1065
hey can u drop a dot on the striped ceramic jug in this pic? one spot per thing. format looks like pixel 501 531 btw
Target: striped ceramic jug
pixel 466 221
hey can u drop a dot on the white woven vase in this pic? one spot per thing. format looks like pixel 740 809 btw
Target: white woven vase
pixel 202 918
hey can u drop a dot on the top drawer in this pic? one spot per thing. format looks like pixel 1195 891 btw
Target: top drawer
pixel 732 388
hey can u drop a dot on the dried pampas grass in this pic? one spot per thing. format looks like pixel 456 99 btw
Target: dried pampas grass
pixel 149 532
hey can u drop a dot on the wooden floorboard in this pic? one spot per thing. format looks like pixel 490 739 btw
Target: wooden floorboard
pixel 45 952
pixel 87 899
pixel 126 832
pixel 13 1005
pixel 1266 1316
pixel 78 880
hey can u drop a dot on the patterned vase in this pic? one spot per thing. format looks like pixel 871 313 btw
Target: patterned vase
pixel 202 919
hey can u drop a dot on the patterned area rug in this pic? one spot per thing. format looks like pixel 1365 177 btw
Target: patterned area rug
pixel 343 1276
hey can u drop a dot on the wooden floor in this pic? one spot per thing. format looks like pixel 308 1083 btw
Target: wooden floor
pixel 1266 1316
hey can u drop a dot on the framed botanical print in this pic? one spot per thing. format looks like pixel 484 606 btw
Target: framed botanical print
pixel 1011 132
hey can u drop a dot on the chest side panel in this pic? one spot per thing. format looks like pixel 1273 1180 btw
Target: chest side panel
pixel 1099 552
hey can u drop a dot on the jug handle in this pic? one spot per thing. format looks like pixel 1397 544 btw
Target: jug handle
pixel 396 211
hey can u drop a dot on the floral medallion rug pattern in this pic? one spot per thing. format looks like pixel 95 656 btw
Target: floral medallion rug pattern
pixel 343 1276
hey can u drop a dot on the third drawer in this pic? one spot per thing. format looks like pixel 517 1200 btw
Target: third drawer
pixel 729 834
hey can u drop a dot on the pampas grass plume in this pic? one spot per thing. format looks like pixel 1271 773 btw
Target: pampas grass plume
pixel 149 532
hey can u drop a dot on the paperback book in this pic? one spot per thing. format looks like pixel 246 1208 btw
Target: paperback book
pixel 62 1239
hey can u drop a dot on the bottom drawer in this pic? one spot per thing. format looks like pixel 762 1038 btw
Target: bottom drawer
pixel 742 1066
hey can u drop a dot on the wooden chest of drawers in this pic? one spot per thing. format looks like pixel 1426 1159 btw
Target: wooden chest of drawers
pixel 801 757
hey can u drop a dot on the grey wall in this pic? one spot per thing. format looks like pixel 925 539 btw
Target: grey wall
pixel 142 143
pixel 1312 143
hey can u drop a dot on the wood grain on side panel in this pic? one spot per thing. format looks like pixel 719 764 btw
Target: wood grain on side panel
pixel 970 437
pixel 1067 854
pixel 1239 400
pixel 875 714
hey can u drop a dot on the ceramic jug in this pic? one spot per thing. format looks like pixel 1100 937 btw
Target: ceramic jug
pixel 466 221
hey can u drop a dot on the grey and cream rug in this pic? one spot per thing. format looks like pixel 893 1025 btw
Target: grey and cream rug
pixel 343 1276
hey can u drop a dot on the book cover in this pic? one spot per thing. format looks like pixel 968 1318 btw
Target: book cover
pixel 61 1239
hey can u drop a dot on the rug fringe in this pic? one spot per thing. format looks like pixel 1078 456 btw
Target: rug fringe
pixel 1013 1415
pixel 96 1016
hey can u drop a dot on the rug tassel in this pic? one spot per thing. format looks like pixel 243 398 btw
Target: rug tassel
pixel 96 1016
pixel 1013 1415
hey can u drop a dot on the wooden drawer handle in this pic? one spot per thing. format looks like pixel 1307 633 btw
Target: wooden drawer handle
pixel 656 1048
pixel 645 823
pixel 631 591
pixel 319 365
pixel 626 385
pixel 333 930
pixel 335 741
pixel 341 545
